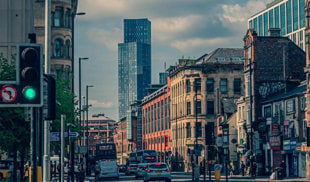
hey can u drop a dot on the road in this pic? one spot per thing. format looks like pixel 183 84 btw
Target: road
pixel 188 178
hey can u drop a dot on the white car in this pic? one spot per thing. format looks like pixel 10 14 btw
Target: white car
pixel 157 171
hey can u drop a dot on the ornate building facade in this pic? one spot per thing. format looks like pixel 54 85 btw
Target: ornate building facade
pixel 62 27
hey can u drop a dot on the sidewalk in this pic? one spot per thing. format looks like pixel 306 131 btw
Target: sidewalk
pixel 267 178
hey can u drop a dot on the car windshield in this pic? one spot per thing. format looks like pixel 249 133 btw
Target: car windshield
pixel 133 165
pixel 149 153
pixel 158 166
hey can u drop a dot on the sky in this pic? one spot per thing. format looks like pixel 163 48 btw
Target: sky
pixel 180 29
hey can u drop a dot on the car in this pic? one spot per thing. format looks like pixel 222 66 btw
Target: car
pixel 157 171
pixel 122 168
pixel 141 168
pixel 131 169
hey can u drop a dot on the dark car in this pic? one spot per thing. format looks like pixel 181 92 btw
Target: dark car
pixel 131 169
pixel 122 168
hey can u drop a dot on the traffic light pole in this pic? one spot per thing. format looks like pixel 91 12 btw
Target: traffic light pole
pixel 33 142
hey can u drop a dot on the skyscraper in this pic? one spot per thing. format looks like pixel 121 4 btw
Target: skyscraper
pixel 134 63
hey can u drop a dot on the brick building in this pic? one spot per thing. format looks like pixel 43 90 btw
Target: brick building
pixel 156 122
pixel 100 129
pixel 124 146
pixel 272 64
pixel 218 76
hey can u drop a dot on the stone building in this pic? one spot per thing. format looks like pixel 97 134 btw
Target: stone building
pixel 63 13
pixel 197 90
pixel 272 64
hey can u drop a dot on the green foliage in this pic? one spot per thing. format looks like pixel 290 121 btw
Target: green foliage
pixel 14 130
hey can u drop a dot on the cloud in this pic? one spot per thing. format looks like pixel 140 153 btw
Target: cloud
pixel 98 104
pixel 109 39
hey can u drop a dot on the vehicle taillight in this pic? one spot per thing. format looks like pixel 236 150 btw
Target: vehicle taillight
pixel 138 168
pixel 148 170
pixel 129 168
pixel 116 167
pixel 168 170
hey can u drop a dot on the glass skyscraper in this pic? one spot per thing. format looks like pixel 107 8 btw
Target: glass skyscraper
pixel 288 15
pixel 134 63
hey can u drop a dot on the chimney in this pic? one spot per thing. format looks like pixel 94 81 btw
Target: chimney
pixel 274 32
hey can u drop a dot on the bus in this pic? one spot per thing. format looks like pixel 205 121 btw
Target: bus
pixel 146 156
pixel 106 161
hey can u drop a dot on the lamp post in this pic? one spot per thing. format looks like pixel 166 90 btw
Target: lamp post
pixel 72 151
pixel 80 100
pixel 72 22
pixel 87 106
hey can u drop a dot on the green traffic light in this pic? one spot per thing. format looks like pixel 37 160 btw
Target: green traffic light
pixel 30 93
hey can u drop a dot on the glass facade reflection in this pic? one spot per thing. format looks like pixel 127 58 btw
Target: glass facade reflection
pixel 134 63
pixel 288 15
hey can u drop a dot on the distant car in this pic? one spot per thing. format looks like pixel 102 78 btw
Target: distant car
pixel 122 168
pixel 141 169
pixel 131 169
pixel 157 171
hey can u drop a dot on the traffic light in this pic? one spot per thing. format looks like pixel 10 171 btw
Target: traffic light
pixel 209 131
pixel 30 74
pixel 211 152
pixel 51 97
pixel 188 152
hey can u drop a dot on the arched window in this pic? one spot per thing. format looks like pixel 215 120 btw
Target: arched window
pixel 58 45
pixel 67 49
pixel 67 19
pixel 58 17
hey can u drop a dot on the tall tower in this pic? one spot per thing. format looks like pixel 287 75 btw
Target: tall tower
pixel 307 71
pixel 134 63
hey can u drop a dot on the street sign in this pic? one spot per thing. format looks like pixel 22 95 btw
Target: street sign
pixel 8 93
pixel 55 136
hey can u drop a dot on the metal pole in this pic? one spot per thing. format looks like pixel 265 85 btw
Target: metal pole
pixel 46 154
pixel 62 144
pixel 80 99
pixel 33 145
pixel 176 136
pixel 72 62
pixel 251 144
pixel 84 136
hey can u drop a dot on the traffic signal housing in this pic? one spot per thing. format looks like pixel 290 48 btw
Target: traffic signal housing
pixel 209 131
pixel 30 75
pixel 51 97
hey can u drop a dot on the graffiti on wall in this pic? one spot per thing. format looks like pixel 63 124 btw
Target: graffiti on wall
pixel 269 88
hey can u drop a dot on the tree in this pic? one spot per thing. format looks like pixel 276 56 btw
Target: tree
pixel 14 130
pixel 67 106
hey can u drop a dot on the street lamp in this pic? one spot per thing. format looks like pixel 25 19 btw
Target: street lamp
pixel 72 151
pixel 80 100
pixel 87 86
pixel 72 21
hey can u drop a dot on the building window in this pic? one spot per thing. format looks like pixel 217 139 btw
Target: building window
pixel 198 107
pixel 302 13
pixel 237 85
pixel 289 16
pixel 188 108
pixel 58 17
pixel 188 130
pixel 198 129
pixel 210 85
pixel 210 107
pixel 276 17
pixel 67 19
pixel 282 15
pixel 220 58
pixel 271 19
pixel 188 86
pixel 265 24
pixel 295 15
pixel 58 48
pixel 267 111
pixel 197 84
pixel 255 24
pixel 290 106
pixel 67 49
pixel 260 25
pixel 223 85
